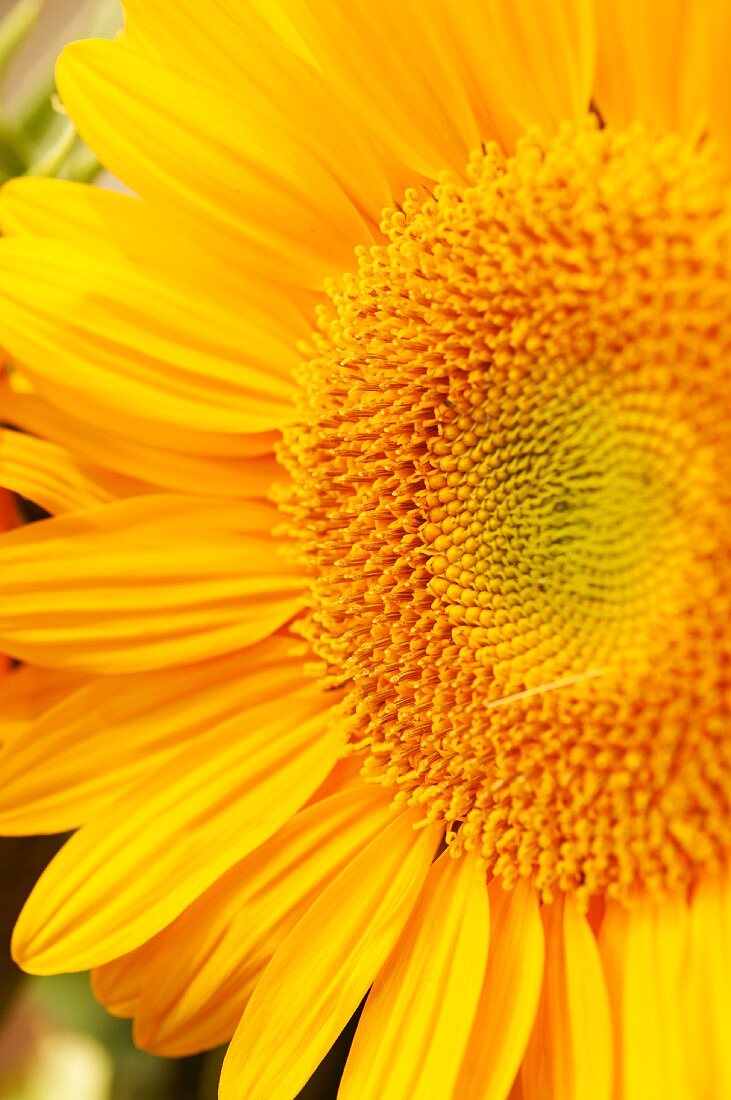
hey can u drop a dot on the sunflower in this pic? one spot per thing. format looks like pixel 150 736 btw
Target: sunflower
pixel 387 430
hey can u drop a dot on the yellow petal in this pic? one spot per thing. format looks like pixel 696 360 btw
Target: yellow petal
pixel 19 394
pixel 98 740
pixel 510 993
pixel 708 1007
pixel 245 38
pixel 385 67
pixel 536 61
pixel 124 448
pixel 647 946
pixel 570 1054
pixel 53 478
pixel 121 983
pixel 719 76
pixel 115 225
pixel 222 943
pixel 27 692
pixel 144 583
pixel 234 47
pixel 319 975
pixel 345 776
pixel 390 66
pixel 134 37
pixel 128 874
pixel 418 1016
pixel 245 177
pixel 434 78
pixel 653 62
pixel 114 337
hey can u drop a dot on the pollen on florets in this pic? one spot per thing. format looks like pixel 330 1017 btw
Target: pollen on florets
pixel 511 483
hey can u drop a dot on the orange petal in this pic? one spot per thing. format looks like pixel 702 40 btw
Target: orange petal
pixel 653 62
pixel 119 984
pixel 27 692
pixel 535 62
pixel 719 76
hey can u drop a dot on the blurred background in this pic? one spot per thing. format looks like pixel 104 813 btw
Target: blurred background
pixel 56 1042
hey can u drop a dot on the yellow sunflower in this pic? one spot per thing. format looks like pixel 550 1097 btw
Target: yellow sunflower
pixel 394 567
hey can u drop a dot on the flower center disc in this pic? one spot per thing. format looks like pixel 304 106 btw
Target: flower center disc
pixel 511 483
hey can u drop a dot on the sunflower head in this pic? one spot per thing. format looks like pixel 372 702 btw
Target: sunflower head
pixel 444 714
pixel 511 485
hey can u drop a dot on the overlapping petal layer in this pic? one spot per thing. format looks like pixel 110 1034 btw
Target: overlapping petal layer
pixel 323 969
pixel 223 942
pixel 639 74
pixel 645 953
pixel 144 583
pixel 81 753
pixel 53 478
pixel 238 466
pixel 141 347
pixel 114 225
pixel 418 1015
pixel 509 999
pixel 570 1055
pixel 136 866
pixel 27 692
pixel 707 980
pixel 266 200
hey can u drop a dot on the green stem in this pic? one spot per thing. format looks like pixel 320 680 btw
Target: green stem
pixel 50 162
pixel 15 28
pixel 12 161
